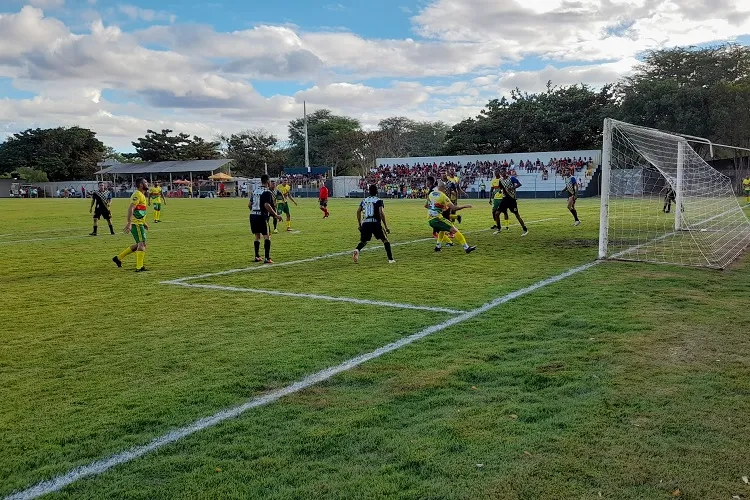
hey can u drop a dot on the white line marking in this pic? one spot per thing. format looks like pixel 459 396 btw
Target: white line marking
pixel 101 466
pixel 318 297
pixel 319 257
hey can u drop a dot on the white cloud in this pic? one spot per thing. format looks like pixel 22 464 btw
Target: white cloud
pixel 136 13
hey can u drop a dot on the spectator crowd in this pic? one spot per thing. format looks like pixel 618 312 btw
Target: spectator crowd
pixel 405 180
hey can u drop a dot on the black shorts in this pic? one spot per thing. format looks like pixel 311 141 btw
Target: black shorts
pixel 258 224
pixel 370 229
pixel 509 204
pixel 102 214
pixel 323 203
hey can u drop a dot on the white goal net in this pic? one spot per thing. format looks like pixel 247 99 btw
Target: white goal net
pixel 661 202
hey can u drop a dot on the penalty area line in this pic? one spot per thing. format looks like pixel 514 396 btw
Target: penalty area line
pixel 320 257
pixel 380 303
pixel 100 466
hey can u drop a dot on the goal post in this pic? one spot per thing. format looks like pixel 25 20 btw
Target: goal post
pixel 661 202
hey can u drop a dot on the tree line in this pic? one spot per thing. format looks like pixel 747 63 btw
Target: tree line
pixel 698 91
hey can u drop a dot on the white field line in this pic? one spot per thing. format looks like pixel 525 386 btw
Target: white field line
pixel 320 297
pixel 319 257
pixel 100 466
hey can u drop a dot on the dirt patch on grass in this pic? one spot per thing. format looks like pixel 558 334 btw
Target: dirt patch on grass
pixel 577 243
pixel 550 367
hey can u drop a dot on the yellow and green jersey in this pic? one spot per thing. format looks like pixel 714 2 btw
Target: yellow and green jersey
pixel 437 202
pixel 138 200
pixel 746 184
pixel 495 185
pixel 155 193
pixel 281 193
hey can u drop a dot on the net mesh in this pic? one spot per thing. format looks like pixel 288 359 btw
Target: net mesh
pixel 655 217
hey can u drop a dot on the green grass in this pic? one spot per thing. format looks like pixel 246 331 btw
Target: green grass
pixel 627 380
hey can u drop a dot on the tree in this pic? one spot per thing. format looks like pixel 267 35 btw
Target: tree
pixel 111 154
pixel 407 137
pixel 199 149
pixel 161 146
pixel 61 153
pixel 251 150
pixel 331 140
pixel 32 176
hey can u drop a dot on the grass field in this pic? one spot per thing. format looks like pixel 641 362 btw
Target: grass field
pixel 622 381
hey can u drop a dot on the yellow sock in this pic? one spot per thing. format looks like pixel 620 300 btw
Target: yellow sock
pixel 460 238
pixel 289 224
pixel 139 256
pixel 124 253
pixel 506 222
pixel 157 214
pixel 453 217
pixel 441 237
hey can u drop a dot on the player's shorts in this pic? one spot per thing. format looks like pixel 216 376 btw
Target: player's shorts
pixel 496 204
pixel 139 232
pixel 370 229
pixel 440 224
pixel 323 203
pixel 258 224
pixel 509 203
pixel 282 208
pixel 157 206
pixel 747 191
pixel 102 214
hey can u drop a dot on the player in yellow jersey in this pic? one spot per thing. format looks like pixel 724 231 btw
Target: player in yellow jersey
pixel 136 226
pixel 453 189
pixel 156 196
pixel 496 195
pixel 283 193
pixel 437 202
pixel 746 187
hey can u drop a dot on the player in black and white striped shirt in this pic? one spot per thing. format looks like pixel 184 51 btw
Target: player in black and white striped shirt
pixel 371 219
pixel 102 199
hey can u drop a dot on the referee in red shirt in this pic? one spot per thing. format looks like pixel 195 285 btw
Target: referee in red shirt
pixel 323 199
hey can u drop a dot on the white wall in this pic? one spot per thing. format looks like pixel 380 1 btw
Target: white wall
pixel 516 157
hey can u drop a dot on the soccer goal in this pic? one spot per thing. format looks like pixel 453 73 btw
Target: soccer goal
pixel 661 202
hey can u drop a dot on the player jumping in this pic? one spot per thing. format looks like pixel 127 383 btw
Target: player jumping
pixel 571 189
pixel 509 185
pixel 373 224
pixel 103 201
pixel 437 202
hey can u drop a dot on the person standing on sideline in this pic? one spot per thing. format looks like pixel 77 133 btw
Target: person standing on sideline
pixel 102 199
pixel 373 224
pixel 261 207
pixel 136 226
pixel 323 200
pixel 746 188
pixel 571 189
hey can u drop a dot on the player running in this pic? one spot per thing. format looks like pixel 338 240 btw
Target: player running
pixel 437 203
pixel 261 207
pixel 323 201
pixel 509 184
pixel 571 189
pixel 373 224
pixel 156 196
pixel 103 201
pixel 136 226
pixel 496 197
pixel 283 194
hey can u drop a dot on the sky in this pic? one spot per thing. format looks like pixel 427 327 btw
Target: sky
pixel 210 67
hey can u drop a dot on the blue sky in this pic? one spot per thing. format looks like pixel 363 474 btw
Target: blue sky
pixel 208 67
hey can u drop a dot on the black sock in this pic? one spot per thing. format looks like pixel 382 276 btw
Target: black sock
pixel 267 248
pixel 524 228
pixel 387 246
pixel 257 249
pixel 575 213
pixel 94 229
pixel 361 245
pixel 275 223
pixel 111 229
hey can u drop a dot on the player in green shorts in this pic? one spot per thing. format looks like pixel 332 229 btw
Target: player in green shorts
pixel 283 194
